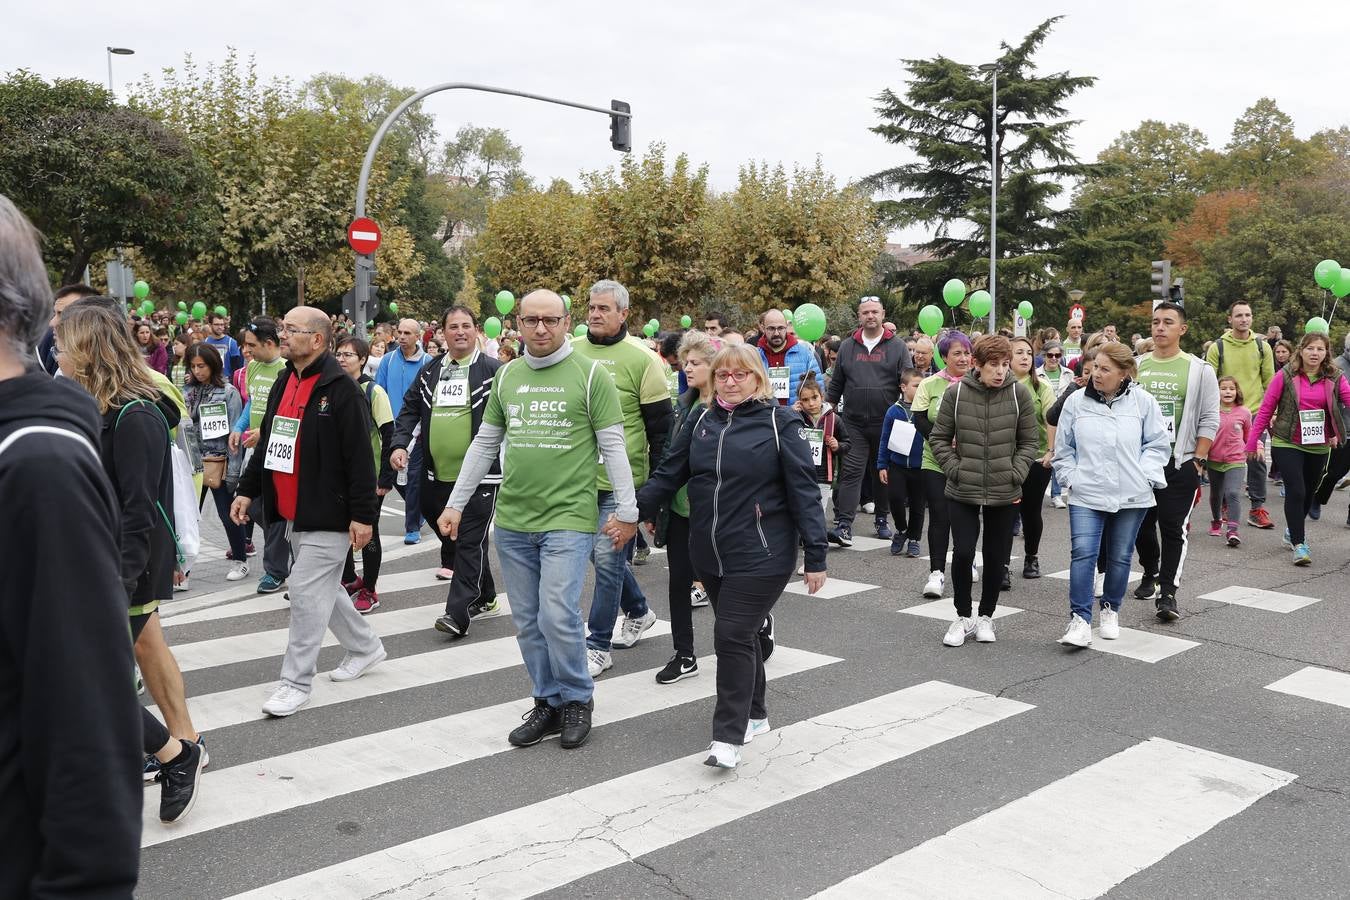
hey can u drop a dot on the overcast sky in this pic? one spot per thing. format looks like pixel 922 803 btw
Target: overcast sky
pixel 726 81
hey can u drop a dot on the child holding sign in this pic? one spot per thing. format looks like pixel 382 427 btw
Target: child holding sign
pixel 825 433
pixel 1303 408
pixel 899 462
pixel 213 404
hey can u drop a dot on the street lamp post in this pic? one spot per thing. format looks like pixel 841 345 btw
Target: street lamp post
pixel 115 51
pixel 992 69
pixel 121 290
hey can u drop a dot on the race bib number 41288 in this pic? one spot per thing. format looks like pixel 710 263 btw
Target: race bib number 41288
pixel 281 445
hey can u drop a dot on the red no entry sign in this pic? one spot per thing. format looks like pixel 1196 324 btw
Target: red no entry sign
pixel 364 235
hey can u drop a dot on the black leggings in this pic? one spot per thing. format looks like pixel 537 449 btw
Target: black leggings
pixel 153 733
pixel 371 556
pixel 939 524
pixel 998 541
pixel 680 583
pixel 1302 472
pixel 904 492
pixel 1031 507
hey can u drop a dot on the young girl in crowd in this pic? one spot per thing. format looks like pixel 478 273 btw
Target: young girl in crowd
pixel 899 463
pixel 213 404
pixel 351 353
pixel 955 349
pixel 178 368
pixel 1038 479
pixel 1302 408
pixel 824 431
pixel 1228 461
pixel 156 357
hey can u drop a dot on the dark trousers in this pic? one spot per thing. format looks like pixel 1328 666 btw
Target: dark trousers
pixel 1302 472
pixel 681 581
pixel 467 555
pixel 859 462
pixel 939 525
pixel 904 493
pixel 411 492
pixel 740 602
pixel 372 554
pixel 998 541
pixel 276 546
pixel 223 497
pixel 1337 468
pixel 1170 518
pixel 1032 508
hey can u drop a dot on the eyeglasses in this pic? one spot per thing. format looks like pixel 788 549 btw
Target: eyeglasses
pixel 287 329
pixel 1053 355
pixel 346 354
pixel 549 321
pixel 728 377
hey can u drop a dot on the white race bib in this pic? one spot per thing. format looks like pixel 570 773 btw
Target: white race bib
pixel 215 421
pixel 1169 414
pixel 281 445
pixel 453 388
pixel 816 438
pixel 780 379
pixel 1312 427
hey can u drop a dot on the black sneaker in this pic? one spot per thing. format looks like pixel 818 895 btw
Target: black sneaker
pixel 1147 586
pixel 1167 608
pixel 898 545
pixel 884 529
pixel 1031 568
pixel 766 638
pixel 843 535
pixel 679 668
pixel 576 723
pixel 1006 584
pixel 446 624
pixel 540 722
pixel 178 783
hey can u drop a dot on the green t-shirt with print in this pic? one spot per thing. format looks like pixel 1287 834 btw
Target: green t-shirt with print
pixel 382 413
pixel 640 376
pixel 928 399
pixel 1045 398
pixel 451 426
pixel 260 377
pixel 551 416
pixel 1166 380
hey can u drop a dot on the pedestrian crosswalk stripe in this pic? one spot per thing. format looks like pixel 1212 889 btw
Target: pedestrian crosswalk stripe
pixel 235 707
pixel 1312 683
pixel 270 786
pixel 944 610
pixel 238 648
pixel 1144 803
pixel 1273 601
pixel 863 543
pixel 1064 576
pixel 1145 646
pixel 834 587
pixel 548 844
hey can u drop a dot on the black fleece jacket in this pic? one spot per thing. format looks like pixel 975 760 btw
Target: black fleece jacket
pixel 70 724
pixel 337 466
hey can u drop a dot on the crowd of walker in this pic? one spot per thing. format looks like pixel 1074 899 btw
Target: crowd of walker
pixel 745 456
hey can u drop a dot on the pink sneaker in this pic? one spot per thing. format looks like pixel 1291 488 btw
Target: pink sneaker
pixel 1215 528
pixel 444 574
pixel 366 601
pixel 354 587
pixel 1233 539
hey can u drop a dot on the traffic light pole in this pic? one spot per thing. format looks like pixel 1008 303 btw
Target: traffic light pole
pixel 365 263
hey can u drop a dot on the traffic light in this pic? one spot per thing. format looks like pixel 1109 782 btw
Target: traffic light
pixel 620 127
pixel 1177 294
pixel 1161 280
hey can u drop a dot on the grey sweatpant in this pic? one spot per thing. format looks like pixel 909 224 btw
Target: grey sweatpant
pixel 318 603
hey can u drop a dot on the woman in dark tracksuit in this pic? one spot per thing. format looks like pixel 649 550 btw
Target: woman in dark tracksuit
pixel 752 500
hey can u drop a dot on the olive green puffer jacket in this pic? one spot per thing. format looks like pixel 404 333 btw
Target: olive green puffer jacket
pixel 985 440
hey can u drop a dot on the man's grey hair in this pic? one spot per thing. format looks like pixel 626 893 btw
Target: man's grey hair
pixel 614 289
pixel 25 292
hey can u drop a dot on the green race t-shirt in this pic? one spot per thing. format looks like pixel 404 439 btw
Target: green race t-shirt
pixel 551 416
pixel 640 376
pixel 260 377
pixel 451 419
pixel 1166 381
pixel 928 399
pixel 1045 398
pixel 382 413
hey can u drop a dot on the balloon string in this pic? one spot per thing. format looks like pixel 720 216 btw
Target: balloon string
pixel 1324 306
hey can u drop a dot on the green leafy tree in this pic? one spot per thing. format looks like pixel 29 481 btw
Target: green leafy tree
pixel 92 175
pixel 1263 151
pixel 531 241
pixel 479 166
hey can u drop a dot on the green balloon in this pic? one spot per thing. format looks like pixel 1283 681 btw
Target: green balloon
pixel 953 292
pixel 1326 273
pixel 492 327
pixel 579 331
pixel 1342 285
pixel 147 307
pixel 199 310
pixel 222 311
pixel 506 301
pixel 651 328
pixel 182 306
pixel 393 308
pixel 930 320
pixel 1317 325
pixel 567 302
pixel 685 321
pixel 181 318
pixel 980 304
pixel 1025 309
pixel 809 322
pixel 140 289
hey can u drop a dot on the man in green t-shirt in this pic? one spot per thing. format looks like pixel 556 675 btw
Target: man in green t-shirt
pixel 558 413
pixel 447 401
pixel 644 398
pixel 1240 353
pixel 264 367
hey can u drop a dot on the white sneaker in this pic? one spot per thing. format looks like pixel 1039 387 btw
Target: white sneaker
pixel 869 508
pixel 723 755
pixel 182 585
pixel 754 727
pixel 238 572
pixel 1078 634
pixel 285 701
pixel 932 589
pixel 962 628
pixel 801 570
pixel 698 597
pixel 598 661
pixel 984 630
pixel 1099 584
pixel 1110 624
pixel 1059 502
pixel 630 631
pixel 353 667
pixel 974 574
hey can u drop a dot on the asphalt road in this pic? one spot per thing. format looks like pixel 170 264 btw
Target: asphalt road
pixel 895 767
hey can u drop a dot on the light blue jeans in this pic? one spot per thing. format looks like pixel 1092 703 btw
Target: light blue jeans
pixel 543 573
pixel 615 586
pixel 1085 528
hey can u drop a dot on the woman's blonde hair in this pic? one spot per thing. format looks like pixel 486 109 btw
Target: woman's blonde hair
pixel 743 356
pixel 102 356
pixel 699 342
pixel 1120 357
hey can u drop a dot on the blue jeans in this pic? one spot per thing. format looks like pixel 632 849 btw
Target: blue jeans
pixel 1086 527
pixel 1055 489
pixel 543 572
pixel 615 586
pixel 411 492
